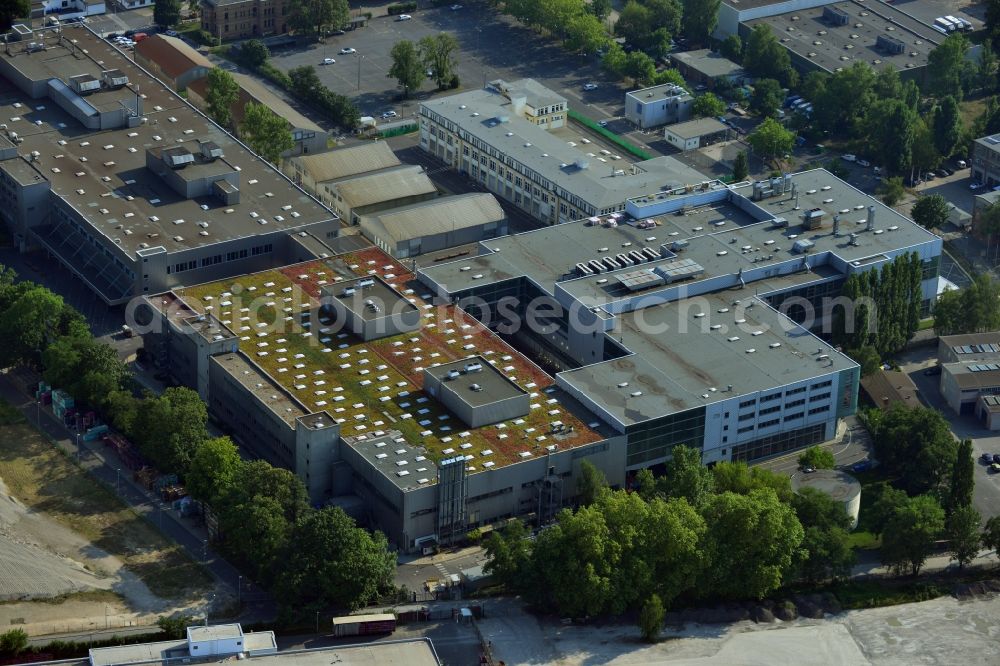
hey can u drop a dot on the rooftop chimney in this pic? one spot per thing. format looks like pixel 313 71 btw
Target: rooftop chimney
pixel 871 219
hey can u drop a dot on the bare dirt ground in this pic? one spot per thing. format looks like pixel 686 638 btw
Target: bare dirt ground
pixel 938 632
pixel 72 557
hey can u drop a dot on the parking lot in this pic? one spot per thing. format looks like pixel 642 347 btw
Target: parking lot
pixel 491 46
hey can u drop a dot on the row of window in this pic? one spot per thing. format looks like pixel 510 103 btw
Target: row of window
pixel 254 251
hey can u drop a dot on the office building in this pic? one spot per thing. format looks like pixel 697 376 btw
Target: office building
pixel 124 183
pixel 244 19
pixel 687 319
pixel 970 372
pixel 657 106
pixel 986 160
pixel 555 174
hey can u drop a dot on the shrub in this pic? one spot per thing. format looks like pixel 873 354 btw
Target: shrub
pixel 401 8
pixel 454 82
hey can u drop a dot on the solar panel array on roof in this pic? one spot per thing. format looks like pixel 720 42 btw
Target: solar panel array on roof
pixel 680 269
pixel 983 367
pixel 985 348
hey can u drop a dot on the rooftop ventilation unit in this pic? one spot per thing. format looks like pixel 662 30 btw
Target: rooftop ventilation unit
pixel 584 270
pixel 624 259
pixel 84 84
pixel 473 367
pixel 835 16
pixel 582 164
pixel 476 387
pixel 802 246
pixel 638 257
pixel 114 79
pixel 366 283
pixel 210 150
pixel 679 245
pixel 651 254
pixel 870 221
pixel 779 223
pixel 454 374
pixel 813 218
pixel 177 158
pixel 596 266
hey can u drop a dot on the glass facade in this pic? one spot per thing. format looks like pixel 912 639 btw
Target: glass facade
pixel 779 443
pixel 653 440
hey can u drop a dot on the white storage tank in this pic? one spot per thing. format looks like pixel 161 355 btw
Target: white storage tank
pixel 840 486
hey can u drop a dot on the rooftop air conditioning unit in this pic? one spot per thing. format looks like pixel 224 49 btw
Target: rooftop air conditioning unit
pixel 114 78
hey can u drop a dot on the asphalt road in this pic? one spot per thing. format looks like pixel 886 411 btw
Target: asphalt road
pixel 414 572
pixel 853 446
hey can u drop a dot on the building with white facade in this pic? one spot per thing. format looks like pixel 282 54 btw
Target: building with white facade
pixel 505 142
pixel 658 105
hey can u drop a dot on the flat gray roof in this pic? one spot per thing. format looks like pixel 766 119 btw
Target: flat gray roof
pixel 664 90
pixel 688 364
pixel 990 142
pixel 350 161
pixel 406 465
pixel 103 174
pixel 214 632
pixel 406 180
pixel 716 233
pixel 437 216
pixel 708 63
pixel 698 127
pixel 477 112
pixel 386 299
pixel 270 394
pixel 832 47
pixel 494 385
pixel 153 653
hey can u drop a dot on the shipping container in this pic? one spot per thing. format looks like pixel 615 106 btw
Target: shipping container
pixel 364 625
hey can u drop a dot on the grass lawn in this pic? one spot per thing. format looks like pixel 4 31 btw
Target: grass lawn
pixel 862 540
pixel 9 415
pixel 926 324
pixel 44 479
pixel 972 109
pixel 875 594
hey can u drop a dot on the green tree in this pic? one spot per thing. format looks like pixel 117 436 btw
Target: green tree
pixel 175 626
pixel 508 553
pixel 732 48
pixel 741 167
pixel 640 67
pixel 916 446
pixel 170 427
pixel 651 618
pixel 669 75
pixel 590 483
pixel 986 68
pixel 963 534
pixel 815 508
pixel 817 458
pixel 890 126
pixel 770 139
pixel 946 66
pixel 267 133
pixel 828 554
pixel 699 19
pixel 891 190
pixel 991 535
pixel 222 93
pixel 614 59
pixel 924 155
pixel 765 57
pixel 89 370
pixel 868 358
pixel 586 33
pixel 910 534
pixel 743 563
pixel 14 641
pixel 645 484
pixel 317 16
pixel 407 67
pixel 740 478
pixel 845 100
pixel 256 534
pixel 215 468
pixel 600 8
pixel 122 409
pixel 649 25
pixel 708 106
pixel 687 477
pixel 947 126
pixel 330 561
pixel 931 211
pixel 438 54
pixel 887 501
pixel 253 53
pixel 29 324
pixel 962 477
pixel 949 315
pixel 167 13
pixel 13 9
pixel 981 304
pixel 767 97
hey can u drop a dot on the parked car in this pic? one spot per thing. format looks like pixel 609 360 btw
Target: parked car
pixel 961 164
pixel 171 33
pixel 987 458
pixel 701 87
pixel 864 163
pixel 877 171
pixel 947 170
pixel 347 50
pixel 590 86
pixel 861 466
pixel 403 17
pixel 941 173
pixel 808 469
pixel 994 468
pixel 975 185
pixel 602 123
pixel 996 458
pixel 389 114
pixel 328 61
pixel 849 157
pixel 455 8
pixel 929 175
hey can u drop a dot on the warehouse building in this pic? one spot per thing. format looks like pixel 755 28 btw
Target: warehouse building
pixel 371 193
pixel 695 133
pixel 986 160
pixel 311 171
pixel 657 106
pixel 504 144
pixel 124 183
pixel 833 36
pixel 706 67
pixel 172 61
pixel 434 225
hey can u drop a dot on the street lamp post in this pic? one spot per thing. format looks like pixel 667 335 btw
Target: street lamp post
pixel 118 481
pixel 359 57
pixel 78 456
pixel 204 550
